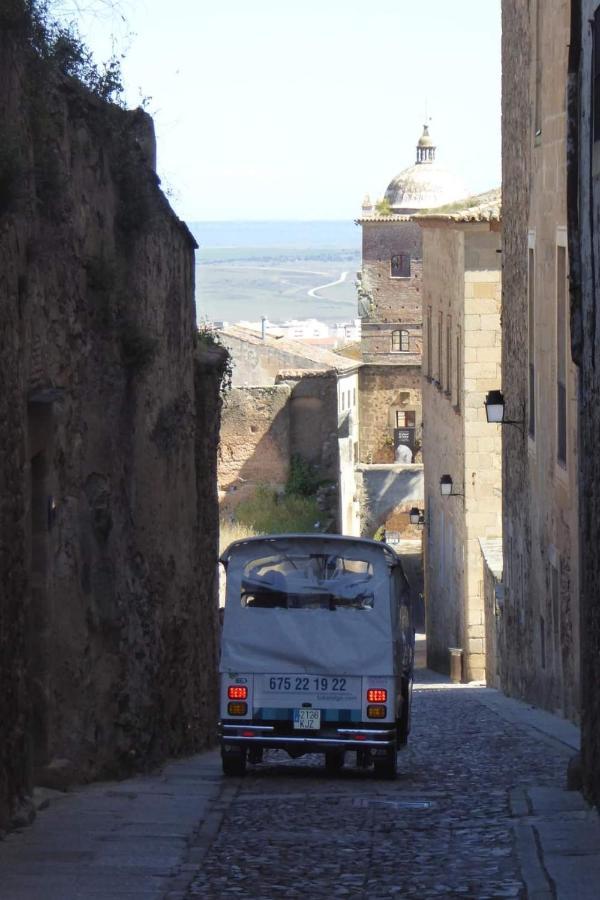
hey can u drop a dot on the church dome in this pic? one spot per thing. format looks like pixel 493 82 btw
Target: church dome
pixel 426 184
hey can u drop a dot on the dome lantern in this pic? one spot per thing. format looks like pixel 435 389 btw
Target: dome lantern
pixel 425 147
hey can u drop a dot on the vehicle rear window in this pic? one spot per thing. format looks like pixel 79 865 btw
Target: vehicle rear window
pixel 303 581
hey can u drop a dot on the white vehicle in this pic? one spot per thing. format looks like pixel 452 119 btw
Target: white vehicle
pixel 317 651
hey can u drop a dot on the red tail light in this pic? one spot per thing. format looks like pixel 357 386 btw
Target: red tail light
pixel 377 695
pixel 237 692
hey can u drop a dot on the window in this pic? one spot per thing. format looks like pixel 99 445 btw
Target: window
pixel 531 341
pixel 449 355
pixel 596 76
pixel 440 348
pixel 561 355
pixel 405 418
pixel 299 581
pixel 458 368
pixel 400 341
pixel 400 265
pixel 429 362
pixel 537 112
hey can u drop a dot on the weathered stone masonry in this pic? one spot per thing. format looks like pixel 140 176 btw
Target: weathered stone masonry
pixel 108 432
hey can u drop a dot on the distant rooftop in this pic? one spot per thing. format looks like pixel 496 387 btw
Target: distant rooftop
pixel 318 357
pixel 486 207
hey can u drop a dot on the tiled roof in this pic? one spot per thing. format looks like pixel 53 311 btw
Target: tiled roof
pixel 485 207
pixel 316 357
pixel 377 218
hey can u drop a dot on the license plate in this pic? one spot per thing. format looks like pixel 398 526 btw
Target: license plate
pixel 308 719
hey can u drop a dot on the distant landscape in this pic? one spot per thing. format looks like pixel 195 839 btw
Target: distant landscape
pixel 245 270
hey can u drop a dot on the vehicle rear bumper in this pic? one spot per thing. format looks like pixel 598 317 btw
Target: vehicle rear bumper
pixel 343 738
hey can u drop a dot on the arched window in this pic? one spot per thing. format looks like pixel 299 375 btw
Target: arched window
pixel 400 341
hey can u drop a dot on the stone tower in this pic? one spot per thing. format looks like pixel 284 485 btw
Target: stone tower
pixel 390 306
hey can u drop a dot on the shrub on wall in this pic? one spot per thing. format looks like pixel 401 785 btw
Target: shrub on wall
pixel 268 512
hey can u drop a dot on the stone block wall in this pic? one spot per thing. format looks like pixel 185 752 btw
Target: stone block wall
pixel 584 217
pixel 263 427
pixel 464 298
pixel 108 432
pixel 541 549
pixel 383 391
pixel 393 303
pixel 255 436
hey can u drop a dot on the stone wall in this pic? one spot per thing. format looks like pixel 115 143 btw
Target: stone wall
pixel 255 442
pixel 257 361
pixel 390 303
pixel 108 433
pixel 385 390
pixel 263 427
pixel 462 290
pixel 584 215
pixel 540 489
pixel 387 493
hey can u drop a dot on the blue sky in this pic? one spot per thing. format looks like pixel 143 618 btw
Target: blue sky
pixel 279 109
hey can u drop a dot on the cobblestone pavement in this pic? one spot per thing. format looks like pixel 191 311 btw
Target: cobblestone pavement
pixel 443 829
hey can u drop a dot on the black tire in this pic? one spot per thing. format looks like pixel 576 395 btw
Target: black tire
pixel 387 766
pixel 334 761
pixel 255 755
pixel 403 724
pixel 234 762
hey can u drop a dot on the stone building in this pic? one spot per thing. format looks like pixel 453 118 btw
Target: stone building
pixel 108 434
pixel 540 619
pixel 390 306
pixel 583 204
pixel 461 363
pixel 289 399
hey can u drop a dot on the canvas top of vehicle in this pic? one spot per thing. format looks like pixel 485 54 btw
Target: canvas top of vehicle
pixel 312 604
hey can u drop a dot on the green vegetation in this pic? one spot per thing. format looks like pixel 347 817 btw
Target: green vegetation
pixel 268 512
pixel 383 208
pixel 208 338
pixel 233 531
pixel 303 480
pixel 59 47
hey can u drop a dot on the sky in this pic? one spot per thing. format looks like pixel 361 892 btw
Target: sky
pixel 294 109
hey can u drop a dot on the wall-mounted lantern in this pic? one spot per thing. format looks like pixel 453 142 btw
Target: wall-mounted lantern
pixel 446 485
pixel 494 410
pixel 416 516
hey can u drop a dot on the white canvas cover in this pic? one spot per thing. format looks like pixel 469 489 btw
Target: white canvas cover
pixel 332 607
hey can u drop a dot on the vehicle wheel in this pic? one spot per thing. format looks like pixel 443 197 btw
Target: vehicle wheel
pixel 255 755
pixel 387 766
pixel 334 761
pixel 234 761
pixel 403 725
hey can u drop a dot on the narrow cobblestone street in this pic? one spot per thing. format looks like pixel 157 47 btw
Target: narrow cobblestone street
pixel 443 829
pixel 479 811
